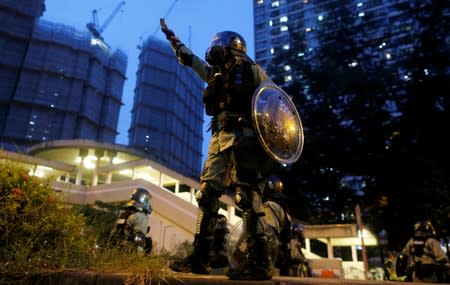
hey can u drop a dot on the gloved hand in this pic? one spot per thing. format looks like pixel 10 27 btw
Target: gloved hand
pixel 184 54
pixel 170 35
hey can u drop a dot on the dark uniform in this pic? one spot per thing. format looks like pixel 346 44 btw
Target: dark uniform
pixel 131 227
pixel 236 161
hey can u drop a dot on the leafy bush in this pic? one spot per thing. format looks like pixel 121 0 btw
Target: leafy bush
pixel 36 230
pixel 39 233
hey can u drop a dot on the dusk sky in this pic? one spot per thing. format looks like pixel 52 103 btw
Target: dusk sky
pixel 194 21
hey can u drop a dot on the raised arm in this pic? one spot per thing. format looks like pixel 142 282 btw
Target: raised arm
pixel 184 54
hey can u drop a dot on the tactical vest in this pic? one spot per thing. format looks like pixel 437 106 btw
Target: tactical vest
pixel 231 91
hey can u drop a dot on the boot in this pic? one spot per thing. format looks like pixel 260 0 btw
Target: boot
pixel 258 265
pixel 198 261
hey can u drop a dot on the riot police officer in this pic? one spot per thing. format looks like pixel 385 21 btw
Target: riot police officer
pixel 131 227
pixel 236 161
pixel 427 261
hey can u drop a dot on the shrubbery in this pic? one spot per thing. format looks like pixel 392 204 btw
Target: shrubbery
pixel 39 233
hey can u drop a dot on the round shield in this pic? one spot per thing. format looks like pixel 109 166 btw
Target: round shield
pixel 237 247
pixel 278 124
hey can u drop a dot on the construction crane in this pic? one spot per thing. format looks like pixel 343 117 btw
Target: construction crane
pixel 94 26
pixel 165 16
pixel 141 38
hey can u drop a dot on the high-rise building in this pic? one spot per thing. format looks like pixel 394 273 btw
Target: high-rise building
pixel 55 82
pixel 167 113
pixel 276 21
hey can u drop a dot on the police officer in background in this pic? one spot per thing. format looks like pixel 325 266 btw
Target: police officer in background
pixel 131 227
pixel 427 261
pixel 236 161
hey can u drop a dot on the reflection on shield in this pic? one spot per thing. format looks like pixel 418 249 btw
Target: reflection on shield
pixel 237 247
pixel 278 124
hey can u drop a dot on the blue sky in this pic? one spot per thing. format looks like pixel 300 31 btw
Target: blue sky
pixel 194 21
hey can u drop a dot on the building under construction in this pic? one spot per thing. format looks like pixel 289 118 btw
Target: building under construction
pixel 55 82
pixel 167 113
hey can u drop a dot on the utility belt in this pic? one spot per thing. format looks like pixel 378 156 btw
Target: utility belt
pixel 228 121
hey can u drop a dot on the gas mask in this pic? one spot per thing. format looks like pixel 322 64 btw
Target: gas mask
pixel 216 56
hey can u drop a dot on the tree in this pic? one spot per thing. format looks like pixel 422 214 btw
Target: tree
pixel 361 96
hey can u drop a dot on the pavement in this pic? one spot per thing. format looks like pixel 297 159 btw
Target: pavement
pixel 96 278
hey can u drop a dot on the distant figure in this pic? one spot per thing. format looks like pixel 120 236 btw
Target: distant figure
pixel 298 265
pixel 131 227
pixel 391 265
pixel 427 261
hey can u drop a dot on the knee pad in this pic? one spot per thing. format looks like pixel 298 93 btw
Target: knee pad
pixel 202 195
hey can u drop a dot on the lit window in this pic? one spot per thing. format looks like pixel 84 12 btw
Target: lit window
pixel 284 19
pixel 359 4
pixel 287 67
pixel 286 46
pixel 353 64
pixel 272 51
pixel 31 123
pixel 361 14
pixel 308 30
pixel 283 28
pixel 259 2
pixel 276 4
pixel 388 56
pixel 300 54
pixel 270 23
pixel 52 105
pixel 320 17
pixel 287 78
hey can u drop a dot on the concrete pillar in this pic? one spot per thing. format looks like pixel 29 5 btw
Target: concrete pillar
pixel 83 153
pixel 354 253
pixel 330 248
pixel 192 196
pixel 110 155
pixel 98 154
pixel 67 179
pixel 308 244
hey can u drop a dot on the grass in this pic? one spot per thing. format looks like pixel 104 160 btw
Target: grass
pixel 40 234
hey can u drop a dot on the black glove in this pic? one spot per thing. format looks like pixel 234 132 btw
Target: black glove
pixel 170 35
pixel 184 54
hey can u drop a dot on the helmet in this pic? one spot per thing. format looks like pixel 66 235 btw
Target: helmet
pixel 274 184
pixel 296 228
pixel 228 39
pixel 140 200
pixel 425 226
pixel 297 231
pixel 222 41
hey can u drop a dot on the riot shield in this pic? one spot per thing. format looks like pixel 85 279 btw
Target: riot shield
pixel 277 123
